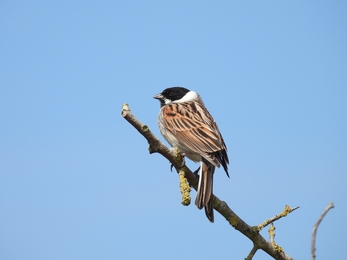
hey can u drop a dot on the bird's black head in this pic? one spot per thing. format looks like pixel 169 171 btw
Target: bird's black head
pixel 171 94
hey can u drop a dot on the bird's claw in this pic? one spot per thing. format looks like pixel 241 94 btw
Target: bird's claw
pixel 183 161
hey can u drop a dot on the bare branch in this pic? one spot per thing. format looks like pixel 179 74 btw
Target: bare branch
pixel 272 238
pixel 252 253
pixel 284 213
pixel 272 233
pixel 174 157
pixel 315 227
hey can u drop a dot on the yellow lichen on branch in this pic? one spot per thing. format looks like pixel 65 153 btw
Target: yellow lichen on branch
pixel 184 188
pixel 286 211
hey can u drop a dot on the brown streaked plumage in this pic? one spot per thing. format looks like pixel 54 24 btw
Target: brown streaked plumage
pixel 185 122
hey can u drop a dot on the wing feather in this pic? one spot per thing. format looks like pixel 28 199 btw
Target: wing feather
pixel 195 129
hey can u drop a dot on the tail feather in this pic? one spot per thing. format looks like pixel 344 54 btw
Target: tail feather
pixel 205 189
pixel 209 210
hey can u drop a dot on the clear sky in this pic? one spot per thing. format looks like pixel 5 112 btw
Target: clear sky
pixel 77 181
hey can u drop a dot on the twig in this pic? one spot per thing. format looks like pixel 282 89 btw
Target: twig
pixel 272 237
pixel 222 207
pixel 272 233
pixel 252 253
pixel 284 213
pixel 315 227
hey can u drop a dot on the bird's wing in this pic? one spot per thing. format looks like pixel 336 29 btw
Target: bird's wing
pixel 194 127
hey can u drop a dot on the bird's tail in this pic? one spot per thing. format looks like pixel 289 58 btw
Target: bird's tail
pixel 205 188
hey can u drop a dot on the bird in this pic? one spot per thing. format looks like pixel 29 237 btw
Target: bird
pixel 185 122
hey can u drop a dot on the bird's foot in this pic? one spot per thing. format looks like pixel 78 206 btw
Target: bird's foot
pixel 183 161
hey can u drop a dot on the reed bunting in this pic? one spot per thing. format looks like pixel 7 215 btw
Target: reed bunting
pixel 185 122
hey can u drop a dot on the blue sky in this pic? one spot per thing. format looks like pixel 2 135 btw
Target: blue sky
pixel 76 180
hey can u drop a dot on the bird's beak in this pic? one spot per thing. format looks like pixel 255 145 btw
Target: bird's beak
pixel 159 96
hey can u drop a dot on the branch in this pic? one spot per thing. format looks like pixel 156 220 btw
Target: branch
pixel 252 253
pixel 315 227
pixel 284 213
pixel 272 237
pixel 174 157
